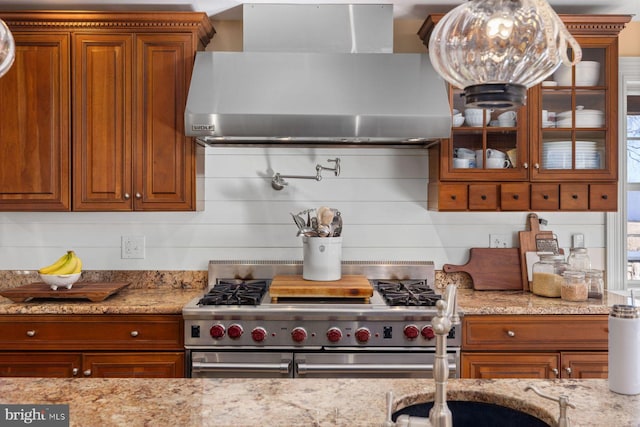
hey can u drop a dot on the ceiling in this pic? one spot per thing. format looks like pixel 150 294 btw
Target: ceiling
pixel 232 9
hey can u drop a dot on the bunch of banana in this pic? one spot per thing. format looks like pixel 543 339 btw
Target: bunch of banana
pixel 69 263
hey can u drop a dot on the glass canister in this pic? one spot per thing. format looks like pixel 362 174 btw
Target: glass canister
pixel 547 275
pixel 579 259
pixel 595 282
pixel 574 286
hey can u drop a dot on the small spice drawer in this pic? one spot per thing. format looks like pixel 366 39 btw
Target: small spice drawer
pixel 543 332
pixel 91 332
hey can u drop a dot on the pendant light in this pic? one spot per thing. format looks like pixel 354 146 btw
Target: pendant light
pixel 7 48
pixel 496 49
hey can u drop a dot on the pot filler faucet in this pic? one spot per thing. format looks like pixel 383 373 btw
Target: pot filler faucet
pixel 442 322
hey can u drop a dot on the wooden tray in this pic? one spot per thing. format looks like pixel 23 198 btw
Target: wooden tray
pixel 297 287
pixel 93 291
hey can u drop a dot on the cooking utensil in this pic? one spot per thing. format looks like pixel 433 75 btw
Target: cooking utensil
pixel 491 268
pixel 336 224
pixel 298 221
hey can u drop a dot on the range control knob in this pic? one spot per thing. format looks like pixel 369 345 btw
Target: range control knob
pixel 334 334
pixel 258 334
pixel 427 333
pixel 298 334
pixel 411 332
pixel 217 331
pixel 363 334
pixel 235 331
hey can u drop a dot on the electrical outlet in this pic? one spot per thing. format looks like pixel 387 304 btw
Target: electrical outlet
pixel 132 247
pixel 498 241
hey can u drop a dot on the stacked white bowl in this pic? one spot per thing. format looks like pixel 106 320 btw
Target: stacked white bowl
pixel 473 116
pixel 587 74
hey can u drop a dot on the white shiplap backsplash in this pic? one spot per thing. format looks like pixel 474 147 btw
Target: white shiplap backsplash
pixel 381 192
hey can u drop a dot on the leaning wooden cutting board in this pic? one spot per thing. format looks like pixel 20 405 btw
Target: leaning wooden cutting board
pixel 528 244
pixel 491 268
pixel 296 287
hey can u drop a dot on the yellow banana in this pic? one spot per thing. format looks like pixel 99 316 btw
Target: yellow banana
pixel 78 268
pixel 56 265
pixel 68 267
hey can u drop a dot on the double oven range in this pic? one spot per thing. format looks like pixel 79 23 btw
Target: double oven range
pixel 236 330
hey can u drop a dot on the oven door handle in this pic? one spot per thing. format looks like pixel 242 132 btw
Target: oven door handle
pixel 283 367
pixel 346 368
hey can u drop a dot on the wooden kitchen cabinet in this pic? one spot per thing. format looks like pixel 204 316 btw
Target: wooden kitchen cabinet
pixel 34 130
pixel 123 83
pixel 92 346
pixel 563 346
pixel 565 165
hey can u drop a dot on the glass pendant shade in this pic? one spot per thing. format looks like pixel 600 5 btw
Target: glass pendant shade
pixel 496 49
pixel 7 48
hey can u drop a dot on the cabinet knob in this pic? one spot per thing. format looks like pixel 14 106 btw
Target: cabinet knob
pixel 525 165
pixel 134 333
pixel 483 197
pixel 138 196
pixel 127 196
pixel 604 197
pixel 545 196
pixel 453 197
pixel 536 166
pixel 511 333
pixel 74 372
pixel 574 196
pixel 516 197
pixel 568 371
pixel 87 373
pixel 31 333
pixel 555 371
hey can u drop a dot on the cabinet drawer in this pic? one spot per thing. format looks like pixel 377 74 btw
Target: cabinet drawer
pixel 483 197
pixel 452 197
pixel 603 197
pixel 514 197
pixel 510 365
pixel 138 332
pixel 542 333
pixel 545 197
pixel 574 197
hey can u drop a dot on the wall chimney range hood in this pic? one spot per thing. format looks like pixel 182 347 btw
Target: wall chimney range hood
pixel 316 75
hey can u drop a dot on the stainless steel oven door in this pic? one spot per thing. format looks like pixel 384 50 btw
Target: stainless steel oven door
pixel 364 364
pixel 248 364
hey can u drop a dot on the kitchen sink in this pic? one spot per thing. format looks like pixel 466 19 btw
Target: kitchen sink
pixel 476 414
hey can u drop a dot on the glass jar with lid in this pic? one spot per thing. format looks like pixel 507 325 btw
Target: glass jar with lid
pixel 547 275
pixel 579 259
pixel 595 282
pixel 574 286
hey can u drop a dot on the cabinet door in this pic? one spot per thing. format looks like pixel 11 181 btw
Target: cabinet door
pixel 41 364
pixel 164 158
pixel 585 364
pixel 102 122
pixel 34 129
pixel 133 365
pixel 510 365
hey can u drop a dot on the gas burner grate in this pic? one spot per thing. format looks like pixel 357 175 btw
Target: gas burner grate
pixel 235 292
pixel 407 293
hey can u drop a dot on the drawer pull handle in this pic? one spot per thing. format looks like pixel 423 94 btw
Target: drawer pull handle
pixel 453 197
pixel 134 333
pixel 574 196
pixel 605 197
pixel 555 371
pixel 31 333
pixel 568 370
pixel 511 333
pixel 483 197
pixel 516 197
pixel 74 372
pixel 87 373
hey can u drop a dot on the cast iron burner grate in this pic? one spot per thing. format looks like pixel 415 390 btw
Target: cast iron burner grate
pixel 408 293
pixel 235 292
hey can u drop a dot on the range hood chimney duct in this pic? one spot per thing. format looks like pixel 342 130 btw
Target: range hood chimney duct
pixel 316 75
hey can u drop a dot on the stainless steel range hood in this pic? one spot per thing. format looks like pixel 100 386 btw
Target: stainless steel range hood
pixel 316 74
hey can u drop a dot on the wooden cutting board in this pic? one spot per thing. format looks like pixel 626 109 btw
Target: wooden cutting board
pixel 491 268
pixel 528 244
pixel 93 291
pixel 296 287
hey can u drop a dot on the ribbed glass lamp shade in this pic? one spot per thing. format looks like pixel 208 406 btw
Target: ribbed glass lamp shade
pixel 7 48
pixel 496 49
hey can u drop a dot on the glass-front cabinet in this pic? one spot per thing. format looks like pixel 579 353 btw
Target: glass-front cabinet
pixel 557 153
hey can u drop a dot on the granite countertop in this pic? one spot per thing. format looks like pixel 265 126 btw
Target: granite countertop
pixel 301 402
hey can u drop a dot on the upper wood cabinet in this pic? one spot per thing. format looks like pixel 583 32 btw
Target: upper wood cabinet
pixel 122 136
pixel 562 148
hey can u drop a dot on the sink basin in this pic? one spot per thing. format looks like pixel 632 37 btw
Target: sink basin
pixel 476 414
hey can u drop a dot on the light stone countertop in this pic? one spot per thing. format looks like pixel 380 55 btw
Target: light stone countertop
pixel 301 402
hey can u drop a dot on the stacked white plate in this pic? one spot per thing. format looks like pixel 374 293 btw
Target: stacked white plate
pixel 557 155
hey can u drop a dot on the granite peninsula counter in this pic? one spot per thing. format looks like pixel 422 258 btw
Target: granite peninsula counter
pixel 300 402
